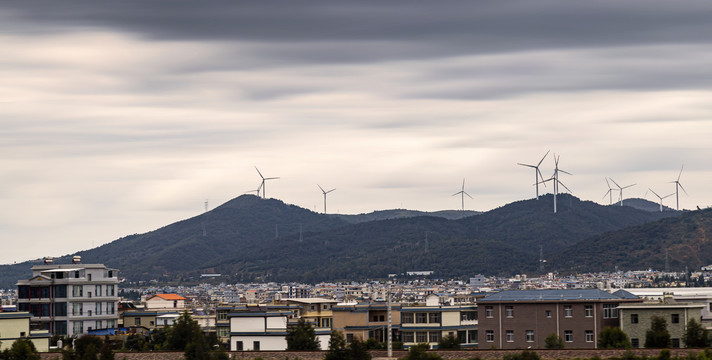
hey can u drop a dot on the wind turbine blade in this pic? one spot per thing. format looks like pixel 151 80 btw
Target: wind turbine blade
pixel 562 184
pixel 606 194
pixel 468 195
pixel 272 178
pixel 330 191
pixel 531 166
pixel 651 190
pixel 683 189
pixel 542 159
pixel 258 171
pixel 565 172
pixel 667 196
pixel 678 176
pixel 541 177
pixel 457 193
pixel 463 184
pixel 616 183
pixel 320 188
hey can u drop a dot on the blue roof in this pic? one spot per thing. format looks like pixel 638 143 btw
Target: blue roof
pixel 625 294
pixel 550 295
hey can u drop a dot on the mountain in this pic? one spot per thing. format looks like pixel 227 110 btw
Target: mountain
pixel 254 239
pixel 687 239
pixel 403 213
pixel 642 204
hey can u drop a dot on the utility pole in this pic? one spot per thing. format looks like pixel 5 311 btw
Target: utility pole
pixel 390 324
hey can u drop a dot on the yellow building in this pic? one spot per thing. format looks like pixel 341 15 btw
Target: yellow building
pixel 16 325
pixel 316 311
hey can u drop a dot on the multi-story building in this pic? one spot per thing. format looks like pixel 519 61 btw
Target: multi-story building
pixel 16 325
pixel 520 319
pixel 636 320
pixel 430 323
pixel 317 311
pixel 366 320
pixel 70 299
pixel 263 331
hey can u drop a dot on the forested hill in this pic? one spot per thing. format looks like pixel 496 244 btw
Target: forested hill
pixel 254 239
pixel 687 238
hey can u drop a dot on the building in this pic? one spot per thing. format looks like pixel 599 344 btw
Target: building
pixel 430 323
pixel 165 302
pixel 223 313
pixel 636 320
pixel 70 299
pixel 521 319
pixel 366 320
pixel 263 331
pixel 317 311
pixel 16 325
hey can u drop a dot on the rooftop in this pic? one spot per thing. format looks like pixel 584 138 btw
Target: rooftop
pixel 551 295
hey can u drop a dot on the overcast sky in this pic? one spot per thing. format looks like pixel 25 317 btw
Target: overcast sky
pixel 122 117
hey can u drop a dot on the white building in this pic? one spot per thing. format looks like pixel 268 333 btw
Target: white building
pixel 70 299
pixel 257 331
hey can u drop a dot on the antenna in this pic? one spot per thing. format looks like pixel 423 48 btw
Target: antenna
pixel 537 173
pixel 262 185
pixel 462 193
pixel 325 192
pixel 678 186
pixel 205 231
pixel 620 189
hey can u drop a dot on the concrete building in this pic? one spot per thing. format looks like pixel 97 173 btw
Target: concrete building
pixel 636 320
pixel 263 331
pixel 366 320
pixel 430 323
pixel 165 302
pixel 317 311
pixel 16 325
pixel 70 299
pixel 521 319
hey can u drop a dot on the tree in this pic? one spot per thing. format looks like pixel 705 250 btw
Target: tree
pixel 695 336
pixel 302 337
pixel 449 342
pixel 23 349
pixel 338 350
pixel 553 341
pixel 613 338
pixel 657 336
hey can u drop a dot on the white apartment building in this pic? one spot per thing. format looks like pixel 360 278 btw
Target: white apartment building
pixel 70 299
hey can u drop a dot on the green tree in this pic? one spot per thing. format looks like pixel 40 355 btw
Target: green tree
pixel 553 341
pixel 695 336
pixel 106 352
pixel 613 338
pixel 302 337
pixel 357 350
pixel 338 350
pixel 657 336
pixel 87 347
pixel 419 352
pixel 449 342
pixel 23 349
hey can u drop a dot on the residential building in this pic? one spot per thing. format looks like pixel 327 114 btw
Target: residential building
pixel 430 323
pixel 317 311
pixel 16 325
pixel 263 331
pixel 366 320
pixel 70 299
pixel 520 319
pixel 636 320
pixel 165 302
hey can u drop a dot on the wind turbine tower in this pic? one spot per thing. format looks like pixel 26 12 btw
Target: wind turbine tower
pixel 325 192
pixel 661 198
pixel 462 193
pixel 620 189
pixel 609 192
pixel 555 179
pixel 537 173
pixel 678 186
pixel 262 186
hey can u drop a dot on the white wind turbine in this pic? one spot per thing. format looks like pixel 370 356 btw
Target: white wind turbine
pixel 263 182
pixel 537 173
pixel 609 192
pixel 325 192
pixel 555 179
pixel 620 189
pixel 463 193
pixel 678 186
pixel 660 197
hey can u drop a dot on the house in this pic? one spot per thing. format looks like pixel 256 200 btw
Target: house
pixel 70 299
pixel 222 320
pixel 363 321
pixel 317 311
pixel 520 319
pixel 430 323
pixel 16 325
pixel 636 320
pixel 165 301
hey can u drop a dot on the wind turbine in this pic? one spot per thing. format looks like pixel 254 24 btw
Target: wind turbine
pixel 462 193
pixel 537 173
pixel 257 192
pixel 555 179
pixel 678 186
pixel 620 189
pixel 660 197
pixel 325 192
pixel 609 192
pixel 263 182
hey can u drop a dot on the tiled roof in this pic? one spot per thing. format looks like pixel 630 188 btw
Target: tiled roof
pixel 550 295
pixel 169 296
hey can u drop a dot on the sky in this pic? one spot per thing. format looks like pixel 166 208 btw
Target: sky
pixel 122 117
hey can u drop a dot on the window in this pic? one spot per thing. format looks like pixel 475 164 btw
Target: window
pixel 406 336
pixel 97 309
pixel 588 310
pixel 89 277
pixel 489 335
pixel 610 311
pixel 77 291
pixel 23 334
pixel 676 343
pixel 110 308
pixel 529 335
pixel 382 318
pixel 468 315
pixel 421 318
pixel 407 318
pixel 509 311
pixel 325 322
pixel 78 327
pixel 137 321
pixel 633 318
pixel 88 293
pixel 434 318
pixel 375 317
pixel 634 342
pixel 509 335
pixel 221 314
pixel 489 311
pixel 548 313
pixel 110 290
pixel 238 346
pixel 110 324
pixel 568 311
pixel 568 335
pixel 111 273
pixel 324 307
pixel 421 337
pixel 434 336
pixel 97 291
pixel 98 324
pixel 76 274
pixel 589 335
pixel 77 309
pixel 256 345
pixel 675 319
